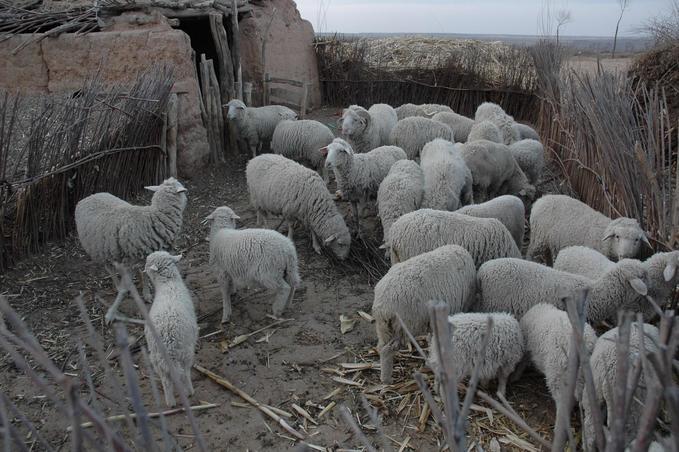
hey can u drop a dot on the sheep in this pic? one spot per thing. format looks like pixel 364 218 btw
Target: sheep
pixel 515 285
pixel 447 180
pixel 460 125
pixel 428 110
pixel 174 322
pixel 504 351
pixel 604 363
pixel 485 130
pixel 399 193
pixel 365 129
pixel 548 334
pixel 495 114
pixel 506 208
pixel 279 186
pixel 425 229
pixel 446 273
pixel 113 231
pixel 530 155
pixel 525 132
pixel 251 257
pixel 359 176
pixel 494 171
pixel 302 142
pixel 661 269
pixel 558 221
pixel 411 134
pixel 257 124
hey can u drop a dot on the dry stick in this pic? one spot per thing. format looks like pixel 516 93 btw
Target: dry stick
pixel 156 399
pixel 349 420
pixel 617 435
pixel 6 426
pixel 261 407
pixel 120 417
pixel 372 413
pixel 33 431
pixel 243 337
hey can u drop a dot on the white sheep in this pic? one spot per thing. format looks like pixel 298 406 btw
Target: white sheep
pixel 485 130
pixel 494 171
pixel 359 176
pixel 558 221
pixel 604 363
pixel 495 114
pixel 302 142
pixel 114 231
pixel 446 274
pixel 425 229
pixel 548 333
pixel 447 180
pixel 459 124
pixel 506 208
pixel 174 321
pixel 515 286
pixel 526 132
pixel 530 155
pixel 661 268
pixel 282 187
pixel 365 129
pixel 399 193
pixel 251 257
pixel 428 110
pixel 256 124
pixel 411 134
pixel 504 351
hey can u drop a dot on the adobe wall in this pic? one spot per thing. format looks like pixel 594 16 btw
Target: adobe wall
pixel 61 64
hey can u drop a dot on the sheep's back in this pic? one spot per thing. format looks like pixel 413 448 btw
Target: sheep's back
pixel 412 133
pixel 98 221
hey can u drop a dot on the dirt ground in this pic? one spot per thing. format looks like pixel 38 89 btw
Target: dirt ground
pixel 293 362
pixel 589 64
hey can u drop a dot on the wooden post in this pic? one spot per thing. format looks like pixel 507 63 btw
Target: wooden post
pixel 235 51
pixel 224 58
pixel 171 140
pixel 265 38
pixel 247 93
pixel 303 102
pixel 265 88
pixel 205 91
pixel 218 120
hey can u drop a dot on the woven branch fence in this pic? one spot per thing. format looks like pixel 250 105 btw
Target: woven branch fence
pixel 365 71
pixel 54 151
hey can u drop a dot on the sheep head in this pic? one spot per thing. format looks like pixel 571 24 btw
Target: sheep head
pixel 625 237
pixel 236 109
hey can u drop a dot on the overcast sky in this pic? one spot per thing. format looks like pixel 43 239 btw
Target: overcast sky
pixel 589 17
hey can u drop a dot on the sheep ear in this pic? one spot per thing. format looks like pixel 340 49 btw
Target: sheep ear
pixel 608 235
pixel 153 188
pixel 154 268
pixel 669 272
pixel 181 189
pixel 522 192
pixel 330 239
pixel 383 246
pixel 324 151
pixel 646 241
pixel 638 286
pixel 235 217
pixel 176 258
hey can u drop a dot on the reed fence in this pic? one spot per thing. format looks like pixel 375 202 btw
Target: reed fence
pixel 55 150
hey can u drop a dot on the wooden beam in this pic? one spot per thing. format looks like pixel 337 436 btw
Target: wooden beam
pixel 171 140
pixel 235 52
pixel 224 59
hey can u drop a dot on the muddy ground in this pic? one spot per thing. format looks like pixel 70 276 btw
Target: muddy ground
pixel 293 362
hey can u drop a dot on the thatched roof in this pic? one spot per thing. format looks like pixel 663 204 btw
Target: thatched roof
pixel 223 6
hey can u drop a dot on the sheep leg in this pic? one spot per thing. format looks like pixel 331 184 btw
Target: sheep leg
pixel 282 299
pixel 188 382
pixel 168 390
pixel 502 382
pixel 387 360
pixel 225 284
pixel 354 213
pixel 260 218
pixel 112 312
pixel 291 230
pixel 314 243
pixel 145 289
pixel 253 148
pixel 325 174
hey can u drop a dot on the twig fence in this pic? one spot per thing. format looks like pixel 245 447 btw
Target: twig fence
pixel 56 150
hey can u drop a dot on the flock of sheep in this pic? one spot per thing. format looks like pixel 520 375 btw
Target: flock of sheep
pixel 450 193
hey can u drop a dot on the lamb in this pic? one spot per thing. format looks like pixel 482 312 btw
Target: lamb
pixel 604 363
pixel 495 114
pixel 447 180
pixel 548 332
pixel 282 187
pixel 399 193
pixel 365 129
pixel 174 321
pixel 515 285
pixel 525 132
pixel 359 176
pixel 257 124
pixel 251 257
pixel 302 142
pixel 504 351
pixel 446 273
pixel 425 230
pixel 428 110
pixel 558 221
pixel 494 171
pixel 661 269
pixel 113 231
pixel 507 208
pixel 530 155
pixel 460 125
pixel 485 130
pixel 411 134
